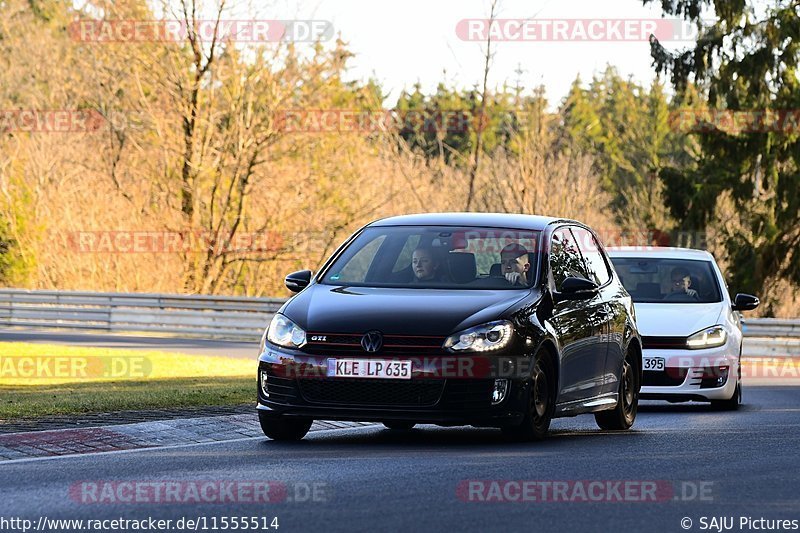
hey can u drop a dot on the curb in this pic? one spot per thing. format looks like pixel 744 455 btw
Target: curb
pixel 141 435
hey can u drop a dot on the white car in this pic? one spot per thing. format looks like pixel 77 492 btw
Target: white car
pixel 691 331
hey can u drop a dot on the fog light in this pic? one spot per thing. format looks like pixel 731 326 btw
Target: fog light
pixel 713 377
pixel 500 390
pixel 723 376
pixel 263 380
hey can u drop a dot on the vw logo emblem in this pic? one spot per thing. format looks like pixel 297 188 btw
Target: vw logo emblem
pixel 372 341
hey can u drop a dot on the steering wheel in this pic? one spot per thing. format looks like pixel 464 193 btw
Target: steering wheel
pixel 681 297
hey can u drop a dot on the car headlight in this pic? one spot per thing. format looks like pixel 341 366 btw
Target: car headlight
pixel 707 338
pixel 483 338
pixel 284 332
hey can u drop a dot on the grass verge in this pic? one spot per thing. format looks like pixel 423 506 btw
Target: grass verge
pixel 37 380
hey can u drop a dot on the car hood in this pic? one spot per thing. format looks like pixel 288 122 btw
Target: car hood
pixel 675 320
pixel 332 309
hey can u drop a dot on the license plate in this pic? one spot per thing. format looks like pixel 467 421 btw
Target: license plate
pixel 653 363
pixel 369 368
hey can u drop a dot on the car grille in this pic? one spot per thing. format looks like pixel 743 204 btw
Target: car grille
pixel 661 378
pixel 280 389
pixel 664 343
pixel 673 377
pixel 335 343
pixel 468 394
pixel 372 392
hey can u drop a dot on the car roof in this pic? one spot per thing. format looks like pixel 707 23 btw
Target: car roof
pixel 492 220
pixel 659 251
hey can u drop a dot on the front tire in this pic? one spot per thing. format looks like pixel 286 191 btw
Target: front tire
pixel 541 403
pixel 732 403
pixel 281 428
pixel 624 414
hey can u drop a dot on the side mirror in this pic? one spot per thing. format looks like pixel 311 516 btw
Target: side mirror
pixel 745 302
pixel 576 289
pixel 297 281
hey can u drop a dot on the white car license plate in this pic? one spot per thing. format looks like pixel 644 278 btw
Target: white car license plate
pixel 369 368
pixel 653 363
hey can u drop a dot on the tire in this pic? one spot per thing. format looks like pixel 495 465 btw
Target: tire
pixel 624 414
pixel 541 404
pixel 399 425
pixel 732 403
pixel 281 428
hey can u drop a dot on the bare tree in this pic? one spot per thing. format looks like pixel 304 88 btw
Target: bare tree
pixel 482 118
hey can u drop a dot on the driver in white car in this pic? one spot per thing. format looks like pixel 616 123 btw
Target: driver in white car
pixel 681 284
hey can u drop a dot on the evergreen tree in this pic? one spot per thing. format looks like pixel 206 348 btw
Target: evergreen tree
pixel 745 63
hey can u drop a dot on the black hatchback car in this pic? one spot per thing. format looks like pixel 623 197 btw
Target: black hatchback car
pixel 490 320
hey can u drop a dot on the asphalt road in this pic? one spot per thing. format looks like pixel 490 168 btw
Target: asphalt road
pixel 223 348
pixel 714 464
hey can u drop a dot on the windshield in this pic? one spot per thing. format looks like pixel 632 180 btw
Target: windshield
pixel 438 257
pixel 650 280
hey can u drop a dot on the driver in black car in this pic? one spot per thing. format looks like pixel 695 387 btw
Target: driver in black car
pixel 680 287
pixel 426 265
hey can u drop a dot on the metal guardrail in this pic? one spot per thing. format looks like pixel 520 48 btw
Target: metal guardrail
pixel 205 316
pixel 239 317
pixel 772 327
pixel 771 337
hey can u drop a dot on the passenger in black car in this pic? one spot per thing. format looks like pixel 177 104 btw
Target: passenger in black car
pixel 515 264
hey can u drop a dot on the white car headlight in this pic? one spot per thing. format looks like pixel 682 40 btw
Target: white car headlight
pixel 284 332
pixel 483 338
pixel 707 338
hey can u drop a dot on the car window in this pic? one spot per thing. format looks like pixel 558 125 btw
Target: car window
pixel 488 246
pixel 404 259
pixel 654 279
pixel 355 269
pixel 565 259
pixel 406 256
pixel 592 255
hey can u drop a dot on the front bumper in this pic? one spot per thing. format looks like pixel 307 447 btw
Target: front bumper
pixel 692 374
pixel 297 386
